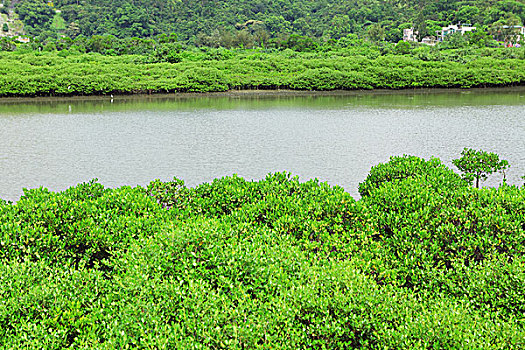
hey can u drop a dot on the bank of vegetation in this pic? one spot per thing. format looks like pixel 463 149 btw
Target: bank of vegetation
pixel 101 47
pixel 423 260
pixel 251 22
pixel 60 73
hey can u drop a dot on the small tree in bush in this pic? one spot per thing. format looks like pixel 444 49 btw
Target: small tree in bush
pixel 403 47
pixel 478 165
pixel 169 52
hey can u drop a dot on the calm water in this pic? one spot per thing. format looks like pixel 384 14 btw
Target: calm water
pixel 333 137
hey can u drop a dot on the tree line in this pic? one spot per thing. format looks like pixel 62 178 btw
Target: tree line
pixel 230 23
pixel 66 72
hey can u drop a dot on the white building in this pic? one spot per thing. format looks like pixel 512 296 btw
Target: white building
pixel 429 40
pixel 454 29
pixel 409 34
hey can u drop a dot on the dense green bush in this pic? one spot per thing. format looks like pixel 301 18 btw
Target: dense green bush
pixel 400 168
pixel 423 260
pixel 50 73
pixel 83 225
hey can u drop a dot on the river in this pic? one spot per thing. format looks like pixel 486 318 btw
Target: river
pixel 335 137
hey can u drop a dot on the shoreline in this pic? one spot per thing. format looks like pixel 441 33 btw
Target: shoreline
pixel 260 93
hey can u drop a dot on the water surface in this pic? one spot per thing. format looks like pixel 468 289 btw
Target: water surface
pixel 335 137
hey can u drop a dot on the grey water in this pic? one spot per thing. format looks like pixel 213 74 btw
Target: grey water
pixel 334 137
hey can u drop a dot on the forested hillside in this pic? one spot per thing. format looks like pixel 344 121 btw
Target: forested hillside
pixel 217 23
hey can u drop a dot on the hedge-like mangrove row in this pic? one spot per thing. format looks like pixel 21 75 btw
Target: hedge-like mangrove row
pixel 58 74
pixel 423 260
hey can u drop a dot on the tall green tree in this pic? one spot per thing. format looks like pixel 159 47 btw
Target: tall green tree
pixel 478 165
pixel 35 14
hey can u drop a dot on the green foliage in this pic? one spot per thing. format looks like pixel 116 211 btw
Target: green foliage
pixel 435 233
pixel 480 38
pixel 35 14
pixel 58 23
pixel 300 43
pixel 6 44
pixel 257 23
pixel 421 261
pixel 455 41
pixel 172 195
pixel 468 14
pixel 168 52
pixel 171 69
pixel 83 225
pixel 477 165
pixel 401 168
pixel 403 47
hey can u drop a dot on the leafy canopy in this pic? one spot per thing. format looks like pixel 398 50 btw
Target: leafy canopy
pixel 477 165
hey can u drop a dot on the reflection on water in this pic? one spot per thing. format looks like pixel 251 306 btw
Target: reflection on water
pixel 57 143
pixel 267 99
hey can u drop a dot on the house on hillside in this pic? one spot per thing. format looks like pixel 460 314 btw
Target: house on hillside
pixel 509 34
pixel 409 34
pixel 429 40
pixel 454 29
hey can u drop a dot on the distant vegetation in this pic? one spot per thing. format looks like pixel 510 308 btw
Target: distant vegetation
pixel 423 260
pixel 342 65
pixel 304 45
pixel 252 22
